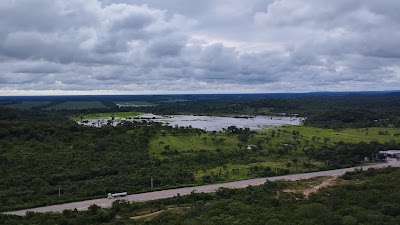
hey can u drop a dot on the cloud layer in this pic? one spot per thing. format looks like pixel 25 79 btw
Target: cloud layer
pixel 177 46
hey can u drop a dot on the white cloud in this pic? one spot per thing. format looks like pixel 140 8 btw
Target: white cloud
pixel 138 46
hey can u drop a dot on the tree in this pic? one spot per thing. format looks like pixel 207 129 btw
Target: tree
pixel 93 209
pixel 349 220
pixel 326 140
pixel 243 137
pixel 295 160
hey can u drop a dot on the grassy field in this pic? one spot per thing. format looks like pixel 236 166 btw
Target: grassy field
pixel 28 105
pixel 134 104
pixel 220 141
pixel 190 141
pixel 106 115
pixel 282 135
pixel 345 135
pixel 270 142
pixel 79 105
pixel 234 172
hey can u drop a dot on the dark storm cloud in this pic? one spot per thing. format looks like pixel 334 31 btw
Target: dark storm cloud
pixel 138 46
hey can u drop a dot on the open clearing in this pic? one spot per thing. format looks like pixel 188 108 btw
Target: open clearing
pixel 307 187
pixel 313 189
pixel 193 142
pixel 269 141
pixel 107 115
pixel 212 141
pixel 156 213
pixel 353 135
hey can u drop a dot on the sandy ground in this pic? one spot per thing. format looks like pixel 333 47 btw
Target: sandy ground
pixel 153 214
pixel 329 181
pixel 313 189
pixel 148 215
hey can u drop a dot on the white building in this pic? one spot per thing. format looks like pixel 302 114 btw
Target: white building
pixel 391 153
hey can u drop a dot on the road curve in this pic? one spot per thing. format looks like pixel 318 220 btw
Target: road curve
pixel 104 202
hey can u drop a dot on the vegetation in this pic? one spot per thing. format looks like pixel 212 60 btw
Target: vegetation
pixel 338 119
pixel 105 115
pixel 42 150
pixel 384 104
pixel 349 135
pixel 281 150
pixel 78 105
pixel 364 197
pixel 307 104
pixel 134 104
pixel 27 104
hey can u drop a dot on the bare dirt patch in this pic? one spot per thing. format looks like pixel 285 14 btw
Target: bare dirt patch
pixel 328 181
pixel 148 215
pixel 313 189
pixel 156 213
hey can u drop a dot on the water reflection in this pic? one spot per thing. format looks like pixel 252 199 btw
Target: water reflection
pixel 209 123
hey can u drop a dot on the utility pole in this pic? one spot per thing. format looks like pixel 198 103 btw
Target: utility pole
pixel 59 191
pixel 151 180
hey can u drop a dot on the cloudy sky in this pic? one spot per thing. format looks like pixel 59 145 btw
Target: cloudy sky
pixel 214 46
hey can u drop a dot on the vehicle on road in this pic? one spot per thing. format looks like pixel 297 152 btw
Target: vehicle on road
pixel 121 194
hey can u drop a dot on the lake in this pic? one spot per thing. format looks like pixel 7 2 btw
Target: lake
pixel 209 123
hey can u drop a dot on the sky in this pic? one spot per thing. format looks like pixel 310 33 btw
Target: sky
pixel 57 47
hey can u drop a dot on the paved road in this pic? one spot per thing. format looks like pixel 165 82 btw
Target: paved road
pixel 104 202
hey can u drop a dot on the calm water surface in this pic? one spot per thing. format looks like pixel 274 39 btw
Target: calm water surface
pixel 209 123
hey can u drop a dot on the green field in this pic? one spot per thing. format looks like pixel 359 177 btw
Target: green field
pixel 106 115
pixel 345 135
pixel 211 141
pixel 190 141
pixel 235 172
pixel 28 105
pixel 295 139
pixel 79 105
pixel 134 104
